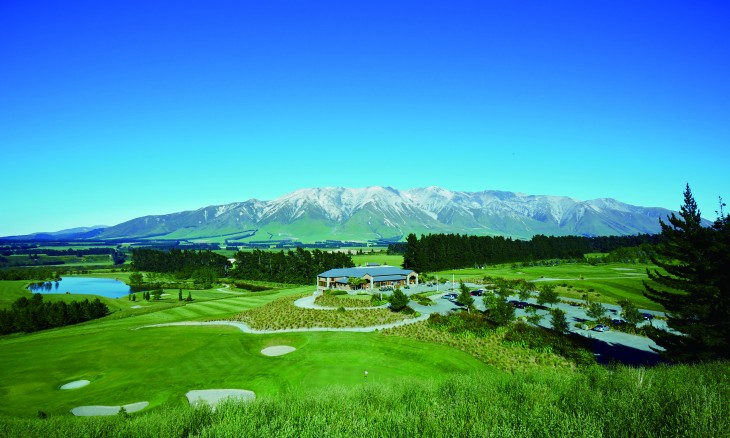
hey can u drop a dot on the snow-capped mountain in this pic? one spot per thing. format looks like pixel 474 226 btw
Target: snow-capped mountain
pixel 369 213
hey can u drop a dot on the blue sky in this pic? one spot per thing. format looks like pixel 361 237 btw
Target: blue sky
pixel 115 110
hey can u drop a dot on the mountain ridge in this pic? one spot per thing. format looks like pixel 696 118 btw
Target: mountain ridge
pixel 389 214
pixel 386 213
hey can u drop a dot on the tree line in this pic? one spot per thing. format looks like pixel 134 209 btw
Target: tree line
pixel 435 252
pixel 298 266
pixel 30 274
pixel 33 314
pixel 79 252
pixel 182 263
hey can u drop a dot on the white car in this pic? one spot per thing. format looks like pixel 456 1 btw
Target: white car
pixel 601 328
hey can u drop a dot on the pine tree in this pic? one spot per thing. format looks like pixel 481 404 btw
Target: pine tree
pixel 398 300
pixel 547 294
pixel 629 312
pixel 558 320
pixel 596 310
pixel 465 297
pixel 692 285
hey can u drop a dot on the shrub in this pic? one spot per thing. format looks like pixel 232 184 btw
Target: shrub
pixel 250 287
pixel 398 300
pixel 572 347
pixel 461 322
pixel 408 310
pixel 421 299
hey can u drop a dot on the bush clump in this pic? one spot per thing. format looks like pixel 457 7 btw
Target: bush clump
pixel 250 287
pixel 461 322
pixel 571 347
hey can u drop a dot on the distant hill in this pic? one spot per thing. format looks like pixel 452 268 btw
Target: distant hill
pixel 78 233
pixel 385 213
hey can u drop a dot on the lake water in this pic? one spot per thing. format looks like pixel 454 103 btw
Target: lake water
pixel 105 287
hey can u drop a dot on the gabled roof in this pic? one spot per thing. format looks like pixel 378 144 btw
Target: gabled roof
pixel 360 271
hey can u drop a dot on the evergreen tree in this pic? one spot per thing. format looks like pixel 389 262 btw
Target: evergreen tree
pixel 524 290
pixel 558 320
pixel 629 312
pixel 498 309
pixel 692 284
pixel 547 294
pixel 596 310
pixel 532 316
pixel 189 298
pixel 465 297
pixel 398 300
pixel 179 295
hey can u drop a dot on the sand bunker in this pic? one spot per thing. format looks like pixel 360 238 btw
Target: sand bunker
pixel 623 269
pixel 93 411
pixel 136 307
pixel 215 396
pixel 278 350
pixel 75 384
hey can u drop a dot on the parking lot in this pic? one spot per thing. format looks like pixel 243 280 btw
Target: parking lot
pixel 609 345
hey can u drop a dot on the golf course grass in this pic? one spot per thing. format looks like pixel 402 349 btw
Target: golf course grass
pixel 159 365
pixel 607 283
pixel 420 381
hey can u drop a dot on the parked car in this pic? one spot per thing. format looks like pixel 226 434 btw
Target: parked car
pixel 477 293
pixel 617 321
pixel 519 304
pixel 601 328
pixel 648 316
pixel 449 296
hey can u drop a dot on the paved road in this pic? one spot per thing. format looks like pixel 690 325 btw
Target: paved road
pixel 608 346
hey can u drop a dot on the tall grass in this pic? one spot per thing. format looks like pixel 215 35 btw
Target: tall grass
pixel 488 347
pixel 341 301
pixel 282 314
pixel 678 401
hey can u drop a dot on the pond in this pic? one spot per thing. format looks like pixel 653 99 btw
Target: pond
pixel 105 287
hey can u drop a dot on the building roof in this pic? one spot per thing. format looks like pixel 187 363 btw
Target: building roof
pixel 360 271
pixel 389 277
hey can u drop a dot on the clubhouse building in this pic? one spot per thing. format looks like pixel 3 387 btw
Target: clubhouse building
pixel 370 277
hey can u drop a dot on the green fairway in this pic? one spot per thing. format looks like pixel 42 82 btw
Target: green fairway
pixel 607 283
pixel 379 257
pixel 11 291
pixel 127 364
pixel 160 365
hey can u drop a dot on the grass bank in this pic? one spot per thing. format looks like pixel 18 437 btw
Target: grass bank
pixel 679 401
